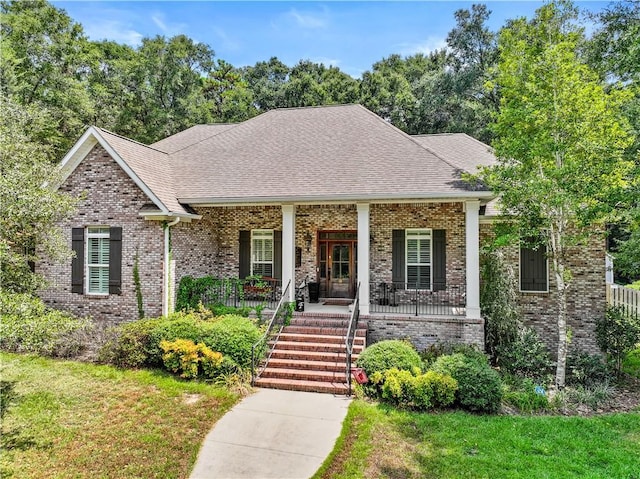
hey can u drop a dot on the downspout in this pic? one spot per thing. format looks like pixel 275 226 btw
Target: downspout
pixel 167 290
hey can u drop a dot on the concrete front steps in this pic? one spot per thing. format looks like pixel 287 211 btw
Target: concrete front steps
pixel 310 355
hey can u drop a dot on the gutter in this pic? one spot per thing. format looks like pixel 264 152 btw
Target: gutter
pixel 167 303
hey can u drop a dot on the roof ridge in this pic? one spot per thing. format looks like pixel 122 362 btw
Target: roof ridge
pixel 130 140
pixel 410 137
pixel 334 105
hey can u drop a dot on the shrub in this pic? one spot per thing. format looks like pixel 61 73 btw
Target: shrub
pixel 189 359
pixel 177 326
pixel 233 336
pixel 526 357
pixel 421 391
pixel 617 334
pixel 479 386
pixel 499 302
pixel 586 370
pixel 130 344
pixel 221 310
pixel 436 350
pixel 28 326
pixel 389 354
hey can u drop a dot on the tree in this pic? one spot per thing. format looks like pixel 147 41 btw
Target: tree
pixel 31 207
pixel 46 59
pixel 560 144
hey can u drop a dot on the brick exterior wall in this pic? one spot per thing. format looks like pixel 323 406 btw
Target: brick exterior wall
pixel 587 296
pixel 111 198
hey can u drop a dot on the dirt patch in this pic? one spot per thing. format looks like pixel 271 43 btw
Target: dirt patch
pixel 191 398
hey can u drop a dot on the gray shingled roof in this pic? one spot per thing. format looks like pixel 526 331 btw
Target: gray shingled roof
pixel 324 153
pixel 189 137
pixel 459 149
pixel 150 165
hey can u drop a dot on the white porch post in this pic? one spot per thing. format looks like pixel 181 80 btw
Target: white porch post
pixel 363 255
pixel 472 229
pixel 289 249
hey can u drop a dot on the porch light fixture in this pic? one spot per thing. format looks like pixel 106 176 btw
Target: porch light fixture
pixel 307 240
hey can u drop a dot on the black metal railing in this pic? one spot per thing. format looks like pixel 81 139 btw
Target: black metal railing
pixel 407 298
pixel 279 319
pixel 351 334
pixel 239 293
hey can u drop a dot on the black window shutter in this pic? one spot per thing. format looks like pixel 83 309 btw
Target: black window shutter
pixel 245 254
pixel 277 254
pixel 533 269
pixel 115 260
pixel 439 260
pixel 77 263
pixel 397 258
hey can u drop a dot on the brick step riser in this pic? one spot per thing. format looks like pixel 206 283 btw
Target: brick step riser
pixel 317 338
pixel 324 323
pixel 307 365
pixel 302 386
pixel 322 331
pixel 305 375
pixel 311 356
pixel 319 347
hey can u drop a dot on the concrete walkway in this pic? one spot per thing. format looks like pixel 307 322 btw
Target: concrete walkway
pixel 272 434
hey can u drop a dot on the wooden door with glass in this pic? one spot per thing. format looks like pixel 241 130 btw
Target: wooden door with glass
pixel 337 263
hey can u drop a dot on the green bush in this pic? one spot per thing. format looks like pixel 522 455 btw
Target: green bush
pixel 584 369
pixel 233 336
pixel 137 344
pixel 436 350
pixel 526 357
pixel 479 386
pixel 129 345
pixel 420 391
pixel 389 354
pixel 28 326
pixel 189 359
pixel 617 334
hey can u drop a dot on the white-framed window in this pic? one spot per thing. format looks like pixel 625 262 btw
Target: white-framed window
pixel 418 256
pixel 262 252
pixel 97 259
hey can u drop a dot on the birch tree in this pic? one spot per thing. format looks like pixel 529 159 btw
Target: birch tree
pixel 560 140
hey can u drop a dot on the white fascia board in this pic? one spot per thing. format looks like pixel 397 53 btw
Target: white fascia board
pixel 161 216
pixel 483 196
pixel 84 145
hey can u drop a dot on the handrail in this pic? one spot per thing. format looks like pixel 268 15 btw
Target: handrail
pixel 264 337
pixel 351 333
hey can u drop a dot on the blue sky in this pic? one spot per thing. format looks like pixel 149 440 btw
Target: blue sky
pixel 349 35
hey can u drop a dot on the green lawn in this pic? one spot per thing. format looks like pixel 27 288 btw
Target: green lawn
pixel 64 419
pixel 381 442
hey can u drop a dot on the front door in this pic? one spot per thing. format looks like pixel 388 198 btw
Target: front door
pixel 337 264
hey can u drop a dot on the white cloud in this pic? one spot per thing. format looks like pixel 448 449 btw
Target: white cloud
pixel 113 30
pixel 159 21
pixel 431 44
pixel 167 28
pixel 309 20
pixel 228 43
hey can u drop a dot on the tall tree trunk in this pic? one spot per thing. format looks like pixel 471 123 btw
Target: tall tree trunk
pixel 561 364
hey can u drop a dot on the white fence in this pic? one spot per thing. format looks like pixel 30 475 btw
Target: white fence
pixel 621 296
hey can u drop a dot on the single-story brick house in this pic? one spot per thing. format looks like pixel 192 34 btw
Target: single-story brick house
pixel 333 194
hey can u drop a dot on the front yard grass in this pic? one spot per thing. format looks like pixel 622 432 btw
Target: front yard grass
pixel 379 441
pixel 70 419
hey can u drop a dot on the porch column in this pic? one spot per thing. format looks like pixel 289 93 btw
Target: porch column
pixel 472 229
pixel 363 255
pixel 289 249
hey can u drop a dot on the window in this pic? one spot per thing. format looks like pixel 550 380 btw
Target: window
pixel 97 264
pixel 97 260
pixel 262 252
pixel 534 271
pixel 418 254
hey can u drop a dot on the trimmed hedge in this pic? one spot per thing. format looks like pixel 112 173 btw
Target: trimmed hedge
pixel 419 391
pixel 388 354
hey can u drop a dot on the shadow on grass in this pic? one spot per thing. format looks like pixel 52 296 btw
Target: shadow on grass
pixel 14 438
